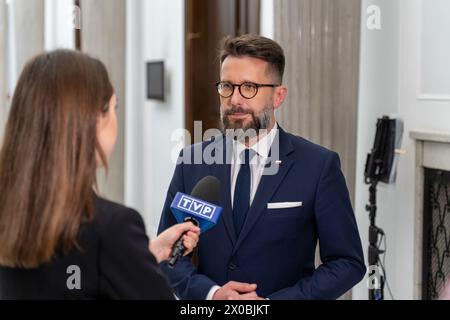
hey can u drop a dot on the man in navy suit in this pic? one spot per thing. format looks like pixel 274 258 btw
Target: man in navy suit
pixel 281 195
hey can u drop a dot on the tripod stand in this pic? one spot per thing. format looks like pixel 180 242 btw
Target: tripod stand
pixel 380 167
pixel 376 288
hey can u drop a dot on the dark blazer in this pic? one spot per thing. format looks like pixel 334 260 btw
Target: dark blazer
pixel 276 247
pixel 113 259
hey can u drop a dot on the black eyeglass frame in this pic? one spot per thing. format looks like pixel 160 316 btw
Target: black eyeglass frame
pixel 257 86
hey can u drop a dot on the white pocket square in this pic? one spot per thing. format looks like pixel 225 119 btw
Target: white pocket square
pixel 284 205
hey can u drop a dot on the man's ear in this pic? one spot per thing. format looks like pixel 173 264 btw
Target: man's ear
pixel 279 97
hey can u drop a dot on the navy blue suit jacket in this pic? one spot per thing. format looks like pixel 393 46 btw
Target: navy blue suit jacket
pixel 276 247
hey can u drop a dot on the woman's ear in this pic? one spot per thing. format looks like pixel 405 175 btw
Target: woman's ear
pixel 279 97
pixel 102 120
pixel 105 116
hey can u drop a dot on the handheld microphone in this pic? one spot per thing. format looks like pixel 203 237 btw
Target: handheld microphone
pixel 200 208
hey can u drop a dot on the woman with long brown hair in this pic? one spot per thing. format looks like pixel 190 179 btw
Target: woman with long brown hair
pixel 58 239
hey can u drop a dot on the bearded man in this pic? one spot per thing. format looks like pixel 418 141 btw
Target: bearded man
pixel 280 195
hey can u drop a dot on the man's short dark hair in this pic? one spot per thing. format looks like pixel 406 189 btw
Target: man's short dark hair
pixel 258 47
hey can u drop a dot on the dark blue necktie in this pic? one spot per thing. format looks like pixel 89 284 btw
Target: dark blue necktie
pixel 241 201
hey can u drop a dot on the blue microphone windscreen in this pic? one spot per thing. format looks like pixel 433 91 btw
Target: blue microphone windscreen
pixel 206 213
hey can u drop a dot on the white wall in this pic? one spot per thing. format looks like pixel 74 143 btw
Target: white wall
pixel 390 84
pixel 59 24
pixel 155 31
pixel 25 34
pixel 378 95
pixel 24 23
pixel 267 22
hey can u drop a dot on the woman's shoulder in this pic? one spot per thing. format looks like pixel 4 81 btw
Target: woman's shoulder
pixel 112 215
pixel 105 206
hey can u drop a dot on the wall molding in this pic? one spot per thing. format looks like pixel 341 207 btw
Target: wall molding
pixel 433 97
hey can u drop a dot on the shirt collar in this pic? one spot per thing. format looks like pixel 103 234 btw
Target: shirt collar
pixel 262 147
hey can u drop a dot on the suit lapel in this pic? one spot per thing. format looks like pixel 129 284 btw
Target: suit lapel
pixel 281 162
pixel 223 173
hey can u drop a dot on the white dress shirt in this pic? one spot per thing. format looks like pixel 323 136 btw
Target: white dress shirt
pixel 257 165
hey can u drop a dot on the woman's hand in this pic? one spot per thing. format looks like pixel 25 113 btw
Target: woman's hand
pixel 161 247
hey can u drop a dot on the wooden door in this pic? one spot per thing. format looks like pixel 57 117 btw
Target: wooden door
pixel 207 23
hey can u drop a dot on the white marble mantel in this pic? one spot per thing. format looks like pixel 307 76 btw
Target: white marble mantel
pixel 434 148
pixel 432 136
pixel 432 151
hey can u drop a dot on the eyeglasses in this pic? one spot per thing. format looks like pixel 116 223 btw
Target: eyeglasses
pixel 248 90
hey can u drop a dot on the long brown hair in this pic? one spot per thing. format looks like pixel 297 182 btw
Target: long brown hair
pixel 48 158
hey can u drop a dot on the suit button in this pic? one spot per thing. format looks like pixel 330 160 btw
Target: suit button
pixel 232 266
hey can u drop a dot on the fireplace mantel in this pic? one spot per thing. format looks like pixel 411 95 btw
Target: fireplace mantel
pixel 432 136
pixel 432 151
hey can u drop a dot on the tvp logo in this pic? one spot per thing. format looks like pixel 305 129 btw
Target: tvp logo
pixel 196 207
pixel 185 206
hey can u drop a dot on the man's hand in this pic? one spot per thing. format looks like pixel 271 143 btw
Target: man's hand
pixel 161 247
pixel 237 291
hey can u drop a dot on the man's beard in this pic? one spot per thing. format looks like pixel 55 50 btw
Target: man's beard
pixel 260 121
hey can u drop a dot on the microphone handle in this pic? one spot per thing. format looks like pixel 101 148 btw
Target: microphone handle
pixel 177 252
pixel 179 249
